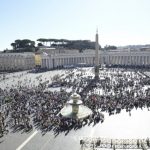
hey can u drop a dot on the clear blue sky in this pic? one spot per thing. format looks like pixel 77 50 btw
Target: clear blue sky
pixel 120 22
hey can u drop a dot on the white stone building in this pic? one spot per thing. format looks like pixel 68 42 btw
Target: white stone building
pixel 16 61
pixel 56 58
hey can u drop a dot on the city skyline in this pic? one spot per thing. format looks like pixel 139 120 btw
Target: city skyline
pixel 119 22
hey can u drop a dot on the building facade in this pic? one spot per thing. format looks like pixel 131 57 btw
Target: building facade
pixel 87 57
pixel 16 61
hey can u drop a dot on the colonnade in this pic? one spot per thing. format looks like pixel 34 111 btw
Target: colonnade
pixel 108 58
pixel 125 60
pixel 74 60
pixel 66 61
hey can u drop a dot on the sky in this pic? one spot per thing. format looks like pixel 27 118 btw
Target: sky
pixel 119 22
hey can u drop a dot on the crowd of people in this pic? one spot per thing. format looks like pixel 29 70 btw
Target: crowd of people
pixel 35 106
pixel 115 90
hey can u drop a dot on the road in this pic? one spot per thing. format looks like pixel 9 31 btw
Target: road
pixel 37 141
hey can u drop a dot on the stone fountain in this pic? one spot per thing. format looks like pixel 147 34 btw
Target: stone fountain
pixel 74 108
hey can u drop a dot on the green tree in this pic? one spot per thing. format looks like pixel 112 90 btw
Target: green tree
pixel 14 46
pixel 43 41
pixel 24 45
pixel 40 44
pixel 110 47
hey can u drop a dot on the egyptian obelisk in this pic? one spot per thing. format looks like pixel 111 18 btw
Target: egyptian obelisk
pixel 96 56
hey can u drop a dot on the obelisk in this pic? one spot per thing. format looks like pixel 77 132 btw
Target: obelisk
pixel 96 56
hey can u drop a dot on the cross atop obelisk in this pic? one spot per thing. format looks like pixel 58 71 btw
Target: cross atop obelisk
pixel 96 56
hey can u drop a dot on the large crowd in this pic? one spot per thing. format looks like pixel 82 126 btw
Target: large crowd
pixel 35 106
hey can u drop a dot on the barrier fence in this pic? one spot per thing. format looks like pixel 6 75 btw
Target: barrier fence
pixel 105 143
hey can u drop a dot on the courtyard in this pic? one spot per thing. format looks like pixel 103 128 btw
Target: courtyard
pixel 130 122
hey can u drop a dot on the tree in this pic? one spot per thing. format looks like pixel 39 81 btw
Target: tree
pixel 13 45
pixel 17 43
pixel 43 41
pixel 24 45
pixel 110 47
pixel 40 44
